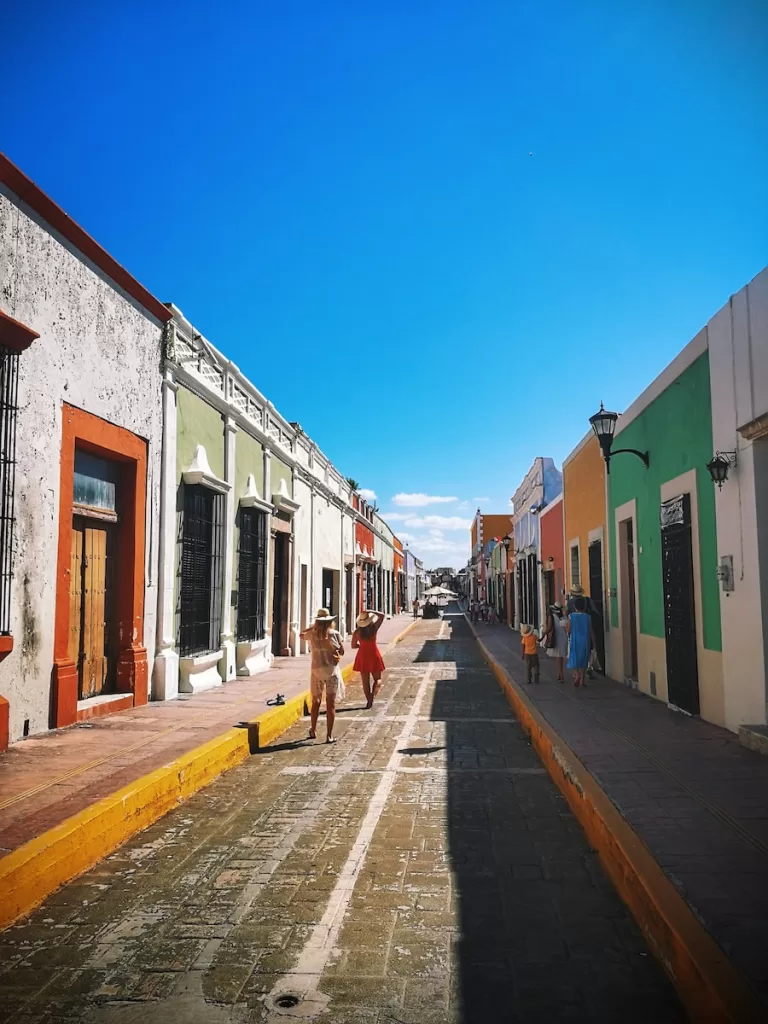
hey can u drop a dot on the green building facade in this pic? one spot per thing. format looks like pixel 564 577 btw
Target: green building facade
pixel 672 421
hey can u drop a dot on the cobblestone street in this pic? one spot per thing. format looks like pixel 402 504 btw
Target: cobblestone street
pixel 423 869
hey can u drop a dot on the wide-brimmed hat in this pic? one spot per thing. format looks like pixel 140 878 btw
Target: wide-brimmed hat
pixel 323 615
pixel 555 608
pixel 525 630
pixel 364 619
pixel 577 590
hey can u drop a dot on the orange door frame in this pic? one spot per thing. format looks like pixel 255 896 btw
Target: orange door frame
pixel 83 430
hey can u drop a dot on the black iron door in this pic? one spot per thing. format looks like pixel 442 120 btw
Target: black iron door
pixel 679 609
pixel 200 567
pixel 596 595
pixel 252 583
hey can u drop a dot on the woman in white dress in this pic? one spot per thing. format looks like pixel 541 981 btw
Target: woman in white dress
pixel 556 639
pixel 325 675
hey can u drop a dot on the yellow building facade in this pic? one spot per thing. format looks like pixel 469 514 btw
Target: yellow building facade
pixel 584 528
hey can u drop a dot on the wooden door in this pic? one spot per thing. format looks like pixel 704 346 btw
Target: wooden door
pixel 90 606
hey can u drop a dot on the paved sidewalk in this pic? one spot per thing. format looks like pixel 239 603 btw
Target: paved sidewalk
pixel 695 796
pixel 46 779
pixel 422 870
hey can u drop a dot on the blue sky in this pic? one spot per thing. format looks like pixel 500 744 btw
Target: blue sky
pixel 436 234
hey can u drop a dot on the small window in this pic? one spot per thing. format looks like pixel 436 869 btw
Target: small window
pixel 575 566
pixel 251 575
pixel 9 387
pixel 200 565
pixel 95 482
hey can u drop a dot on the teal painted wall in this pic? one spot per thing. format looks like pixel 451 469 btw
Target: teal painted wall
pixel 676 430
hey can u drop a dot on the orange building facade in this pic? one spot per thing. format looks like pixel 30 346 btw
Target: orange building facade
pixel 584 525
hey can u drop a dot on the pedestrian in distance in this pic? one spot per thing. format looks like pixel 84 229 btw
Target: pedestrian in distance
pixel 577 591
pixel 582 637
pixel 327 649
pixel 556 639
pixel 530 654
pixel 415 607
pixel 368 660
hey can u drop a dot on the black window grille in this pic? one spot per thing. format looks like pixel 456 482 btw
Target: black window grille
pixel 252 575
pixel 201 563
pixel 9 390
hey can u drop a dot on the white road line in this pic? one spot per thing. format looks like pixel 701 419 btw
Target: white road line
pixel 303 980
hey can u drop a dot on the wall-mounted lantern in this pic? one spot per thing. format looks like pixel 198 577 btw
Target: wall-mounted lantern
pixel 719 465
pixel 604 425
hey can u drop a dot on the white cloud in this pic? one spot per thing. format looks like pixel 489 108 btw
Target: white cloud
pixel 419 500
pixel 480 501
pixel 367 494
pixel 447 522
pixel 437 522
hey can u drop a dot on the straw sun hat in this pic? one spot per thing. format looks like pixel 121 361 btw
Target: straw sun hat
pixel 577 590
pixel 323 615
pixel 525 630
pixel 364 619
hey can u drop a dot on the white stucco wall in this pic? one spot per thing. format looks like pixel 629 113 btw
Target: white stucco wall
pixel 98 351
pixel 738 361
pixel 302 553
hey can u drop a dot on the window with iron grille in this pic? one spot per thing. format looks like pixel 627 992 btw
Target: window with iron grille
pixel 201 563
pixel 9 388
pixel 251 575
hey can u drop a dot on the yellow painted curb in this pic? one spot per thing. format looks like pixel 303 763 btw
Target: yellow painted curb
pixel 265 728
pixel 404 633
pixel 32 872
pixel 711 988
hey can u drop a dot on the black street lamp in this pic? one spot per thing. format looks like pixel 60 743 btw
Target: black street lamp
pixel 718 467
pixel 604 425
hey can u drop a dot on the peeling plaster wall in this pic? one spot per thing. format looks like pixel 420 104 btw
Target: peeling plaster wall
pixel 98 351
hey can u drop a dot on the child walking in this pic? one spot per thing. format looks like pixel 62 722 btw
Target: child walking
pixel 530 654
pixel 368 660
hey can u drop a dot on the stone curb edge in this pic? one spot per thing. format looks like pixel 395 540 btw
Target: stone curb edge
pixel 33 871
pixel 708 984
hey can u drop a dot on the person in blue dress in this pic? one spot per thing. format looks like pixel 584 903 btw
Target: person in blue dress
pixel 582 640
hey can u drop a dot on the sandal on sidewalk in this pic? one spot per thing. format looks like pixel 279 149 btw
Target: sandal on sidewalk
pixel 312 734
pixel 330 739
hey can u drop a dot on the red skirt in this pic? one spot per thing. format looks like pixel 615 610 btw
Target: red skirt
pixel 368 658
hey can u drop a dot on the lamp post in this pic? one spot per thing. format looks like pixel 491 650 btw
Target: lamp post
pixel 604 425
pixel 719 465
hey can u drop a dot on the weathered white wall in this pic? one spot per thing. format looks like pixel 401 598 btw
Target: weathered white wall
pixel 738 362
pixel 98 351
pixel 302 554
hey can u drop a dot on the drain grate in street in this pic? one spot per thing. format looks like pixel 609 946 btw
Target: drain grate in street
pixel 287 1001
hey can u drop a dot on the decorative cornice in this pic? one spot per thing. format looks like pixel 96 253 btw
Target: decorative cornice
pixel 200 472
pixel 282 500
pixel 251 497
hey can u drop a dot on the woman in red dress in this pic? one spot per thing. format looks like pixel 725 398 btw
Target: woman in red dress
pixel 368 660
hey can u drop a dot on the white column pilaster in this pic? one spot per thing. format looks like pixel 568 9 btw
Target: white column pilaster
pixel 165 672
pixel 269 597
pixel 227 665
